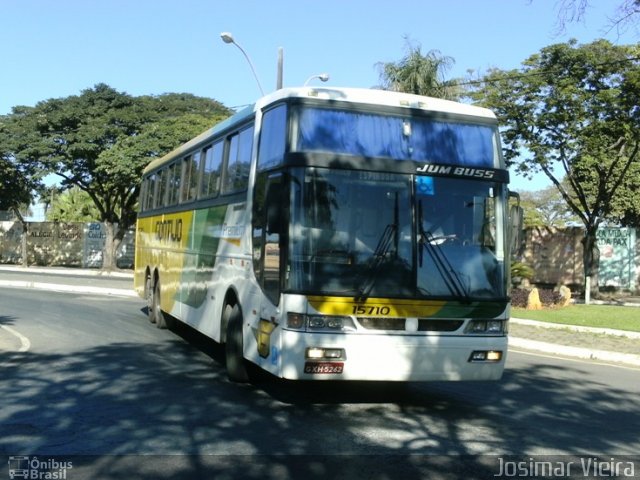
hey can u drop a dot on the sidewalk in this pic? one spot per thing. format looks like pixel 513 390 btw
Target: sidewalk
pixel 604 345
pixel 76 280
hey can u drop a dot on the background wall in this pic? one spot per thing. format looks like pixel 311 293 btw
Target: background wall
pixel 70 244
pixel 556 257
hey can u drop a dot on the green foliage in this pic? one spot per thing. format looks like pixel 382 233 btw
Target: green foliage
pixel 73 205
pixel 574 109
pixel 17 181
pixel 101 140
pixel 598 316
pixel 546 208
pixel 420 74
pixel 521 270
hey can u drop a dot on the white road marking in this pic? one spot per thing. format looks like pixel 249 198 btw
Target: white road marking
pixel 25 344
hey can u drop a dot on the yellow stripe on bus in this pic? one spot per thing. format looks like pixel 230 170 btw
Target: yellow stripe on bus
pixel 375 307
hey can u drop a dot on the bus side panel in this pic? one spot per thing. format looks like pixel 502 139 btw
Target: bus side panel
pixel 217 262
pixel 162 247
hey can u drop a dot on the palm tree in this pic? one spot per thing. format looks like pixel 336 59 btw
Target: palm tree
pixel 420 74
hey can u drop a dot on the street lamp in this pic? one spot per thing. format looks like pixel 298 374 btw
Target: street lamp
pixel 323 77
pixel 228 38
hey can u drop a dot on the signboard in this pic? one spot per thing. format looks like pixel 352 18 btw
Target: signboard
pixel 617 257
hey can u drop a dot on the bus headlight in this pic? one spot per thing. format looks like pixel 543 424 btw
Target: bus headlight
pixel 490 356
pixel 491 327
pixel 319 323
pixel 329 323
pixel 320 353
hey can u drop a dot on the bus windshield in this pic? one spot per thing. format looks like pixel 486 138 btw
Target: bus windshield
pixel 353 233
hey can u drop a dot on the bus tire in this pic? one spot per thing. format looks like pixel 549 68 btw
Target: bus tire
pixel 162 320
pixel 236 365
pixel 149 294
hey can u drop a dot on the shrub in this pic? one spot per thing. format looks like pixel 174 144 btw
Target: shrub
pixel 520 270
pixel 548 297
pixel 519 297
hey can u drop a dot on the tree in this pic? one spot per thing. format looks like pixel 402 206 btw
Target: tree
pixel 625 209
pixel 17 183
pixel 101 140
pixel 625 15
pixel 72 205
pixel 546 208
pixel 420 74
pixel 573 109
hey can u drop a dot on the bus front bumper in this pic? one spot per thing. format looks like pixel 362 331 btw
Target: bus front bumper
pixel 387 357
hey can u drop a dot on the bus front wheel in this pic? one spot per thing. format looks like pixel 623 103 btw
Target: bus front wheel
pixel 236 366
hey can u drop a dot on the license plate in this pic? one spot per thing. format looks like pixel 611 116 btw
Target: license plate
pixel 324 368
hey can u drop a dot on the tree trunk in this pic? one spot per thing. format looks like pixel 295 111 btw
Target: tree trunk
pixel 590 258
pixel 114 236
pixel 109 253
pixel 24 243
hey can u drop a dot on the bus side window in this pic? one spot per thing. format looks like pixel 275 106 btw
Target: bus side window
pixel 143 202
pixel 190 168
pixel 186 179
pixel 173 185
pixel 162 180
pixel 237 173
pixel 150 196
pixel 212 160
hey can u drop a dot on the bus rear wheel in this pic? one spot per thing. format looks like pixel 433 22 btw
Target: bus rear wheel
pixel 149 293
pixel 161 319
pixel 236 365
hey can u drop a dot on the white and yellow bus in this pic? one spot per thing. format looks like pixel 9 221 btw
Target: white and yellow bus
pixel 335 234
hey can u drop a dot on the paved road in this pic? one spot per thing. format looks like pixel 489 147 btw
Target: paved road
pixel 99 380
pixel 595 345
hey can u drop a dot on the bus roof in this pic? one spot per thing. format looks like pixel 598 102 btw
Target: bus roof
pixel 361 96
pixel 377 97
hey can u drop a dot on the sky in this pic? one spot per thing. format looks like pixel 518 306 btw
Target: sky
pixel 57 48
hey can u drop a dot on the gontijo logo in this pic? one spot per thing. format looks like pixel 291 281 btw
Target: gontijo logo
pixel 34 468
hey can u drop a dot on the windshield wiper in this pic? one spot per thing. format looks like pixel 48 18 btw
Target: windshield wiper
pixel 379 255
pixel 451 278
pixel 388 238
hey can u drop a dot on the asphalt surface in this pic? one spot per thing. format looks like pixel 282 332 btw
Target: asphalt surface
pixel 562 340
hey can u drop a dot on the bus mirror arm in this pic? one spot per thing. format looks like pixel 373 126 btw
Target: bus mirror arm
pixel 516 220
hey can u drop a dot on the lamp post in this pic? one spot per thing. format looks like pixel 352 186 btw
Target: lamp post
pixel 323 77
pixel 228 38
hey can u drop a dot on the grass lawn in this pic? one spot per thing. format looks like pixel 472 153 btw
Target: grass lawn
pixel 601 316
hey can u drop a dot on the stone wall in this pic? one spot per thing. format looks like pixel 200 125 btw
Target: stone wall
pixel 70 244
pixel 556 257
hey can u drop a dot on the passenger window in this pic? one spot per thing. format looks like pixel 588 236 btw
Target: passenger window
pixel 175 174
pixel 189 178
pixel 162 188
pixel 211 172
pixel 237 174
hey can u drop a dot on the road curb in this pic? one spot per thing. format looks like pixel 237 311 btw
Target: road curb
pixel 56 287
pixel 575 352
pixel 88 272
pixel 577 328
